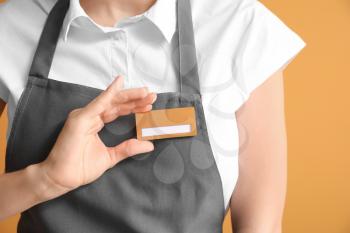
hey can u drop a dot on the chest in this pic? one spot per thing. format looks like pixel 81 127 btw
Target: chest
pixel 145 58
pixel 142 55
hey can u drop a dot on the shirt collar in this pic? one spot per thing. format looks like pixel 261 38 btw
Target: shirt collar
pixel 162 14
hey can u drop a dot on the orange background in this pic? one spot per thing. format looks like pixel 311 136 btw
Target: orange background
pixel 317 86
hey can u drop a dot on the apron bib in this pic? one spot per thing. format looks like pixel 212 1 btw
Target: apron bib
pixel 174 189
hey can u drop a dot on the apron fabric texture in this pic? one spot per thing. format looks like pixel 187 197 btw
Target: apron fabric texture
pixel 174 189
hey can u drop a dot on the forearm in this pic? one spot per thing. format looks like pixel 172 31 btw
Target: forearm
pixel 25 188
pixel 257 220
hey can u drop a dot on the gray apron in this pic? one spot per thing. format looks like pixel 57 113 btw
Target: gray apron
pixel 175 188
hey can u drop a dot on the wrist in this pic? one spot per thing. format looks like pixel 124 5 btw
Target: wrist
pixel 44 188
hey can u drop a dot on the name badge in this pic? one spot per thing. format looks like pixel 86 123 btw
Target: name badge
pixel 166 123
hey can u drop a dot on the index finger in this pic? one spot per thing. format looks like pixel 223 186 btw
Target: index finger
pixel 98 105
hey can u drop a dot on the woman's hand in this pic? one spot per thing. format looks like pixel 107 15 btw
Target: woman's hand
pixel 79 156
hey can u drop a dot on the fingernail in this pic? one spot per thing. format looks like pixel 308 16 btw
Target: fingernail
pixel 115 80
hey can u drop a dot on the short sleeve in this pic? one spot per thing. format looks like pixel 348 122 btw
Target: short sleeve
pixel 267 46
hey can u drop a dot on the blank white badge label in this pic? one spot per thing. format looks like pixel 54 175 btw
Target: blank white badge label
pixel 164 130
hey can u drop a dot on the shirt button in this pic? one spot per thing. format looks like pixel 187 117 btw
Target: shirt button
pixel 118 35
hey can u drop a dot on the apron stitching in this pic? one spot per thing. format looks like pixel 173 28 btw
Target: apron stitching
pixel 18 113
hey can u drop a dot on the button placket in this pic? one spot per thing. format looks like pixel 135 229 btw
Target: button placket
pixel 119 56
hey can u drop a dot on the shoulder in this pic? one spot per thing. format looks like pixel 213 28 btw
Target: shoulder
pixel 244 40
pixel 24 12
pixel 25 8
pixel 21 23
pixel 22 19
pixel 222 23
pixel 203 10
pixel 234 17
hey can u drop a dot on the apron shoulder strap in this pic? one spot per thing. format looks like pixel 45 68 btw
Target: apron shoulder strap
pixel 188 66
pixel 45 51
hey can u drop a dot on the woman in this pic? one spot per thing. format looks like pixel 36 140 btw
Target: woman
pixel 70 159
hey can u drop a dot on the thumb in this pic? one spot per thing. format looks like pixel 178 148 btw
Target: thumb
pixel 128 148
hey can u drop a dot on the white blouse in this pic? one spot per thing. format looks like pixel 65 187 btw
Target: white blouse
pixel 240 43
